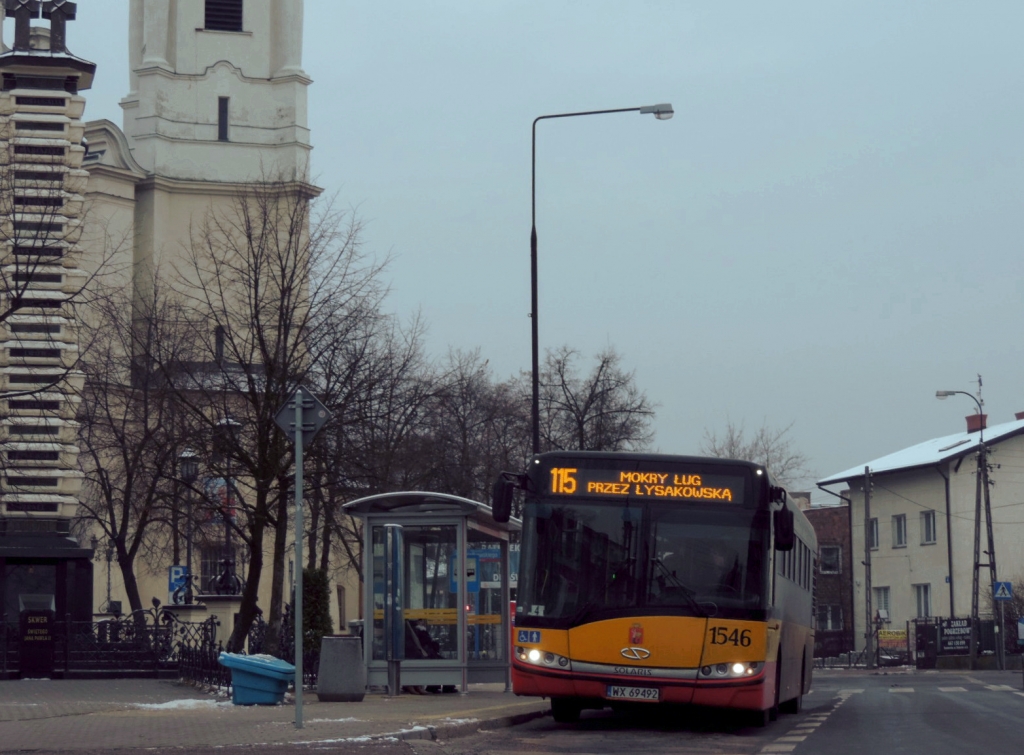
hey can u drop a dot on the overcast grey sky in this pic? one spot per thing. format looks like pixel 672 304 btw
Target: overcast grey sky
pixel 827 232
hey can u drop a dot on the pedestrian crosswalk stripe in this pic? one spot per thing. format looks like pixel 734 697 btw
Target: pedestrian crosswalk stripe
pixel 952 689
pixel 999 687
pixel 901 689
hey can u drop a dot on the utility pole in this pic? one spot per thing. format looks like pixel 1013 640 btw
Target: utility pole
pixel 977 564
pixel 993 576
pixel 981 496
pixel 869 624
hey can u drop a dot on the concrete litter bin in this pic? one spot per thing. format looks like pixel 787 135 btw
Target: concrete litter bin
pixel 257 679
pixel 342 675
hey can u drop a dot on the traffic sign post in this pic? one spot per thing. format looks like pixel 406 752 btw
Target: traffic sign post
pixel 301 417
pixel 1001 592
pixel 1020 641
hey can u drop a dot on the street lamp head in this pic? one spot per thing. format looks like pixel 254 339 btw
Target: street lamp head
pixel 188 465
pixel 662 112
pixel 944 394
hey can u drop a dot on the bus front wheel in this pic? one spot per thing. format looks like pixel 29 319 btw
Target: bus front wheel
pixel 565 710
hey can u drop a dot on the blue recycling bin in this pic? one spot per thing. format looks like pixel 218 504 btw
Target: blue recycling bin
pixel 257 679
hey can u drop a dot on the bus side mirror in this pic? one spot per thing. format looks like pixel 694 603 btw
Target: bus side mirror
pixel 501 499
pixel 785 537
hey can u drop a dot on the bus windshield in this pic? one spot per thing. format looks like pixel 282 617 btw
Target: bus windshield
pixel 585 561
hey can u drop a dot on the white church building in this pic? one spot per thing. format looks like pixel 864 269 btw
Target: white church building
pixel 217 99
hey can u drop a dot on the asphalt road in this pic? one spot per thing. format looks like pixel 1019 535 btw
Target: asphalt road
pixel 847 713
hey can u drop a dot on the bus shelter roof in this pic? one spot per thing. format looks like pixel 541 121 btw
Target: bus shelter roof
pixel 425 504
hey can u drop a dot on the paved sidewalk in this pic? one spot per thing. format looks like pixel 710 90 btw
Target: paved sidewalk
pixel 141 713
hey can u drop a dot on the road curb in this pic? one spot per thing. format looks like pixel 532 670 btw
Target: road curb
pixel 456 730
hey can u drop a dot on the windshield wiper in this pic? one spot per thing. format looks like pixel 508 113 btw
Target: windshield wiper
pixel 669 578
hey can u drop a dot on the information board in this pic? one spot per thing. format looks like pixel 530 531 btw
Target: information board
pixel 954 636
pixel 36 660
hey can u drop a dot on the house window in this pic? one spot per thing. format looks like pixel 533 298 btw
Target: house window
pixel 899 531
pixel 211 566
pixel 830 559
pixel 873 534
pixel 830 618
pixel 222 118
pixel 223 15
pixel 923 593
pixel 927 527
pixel 880 599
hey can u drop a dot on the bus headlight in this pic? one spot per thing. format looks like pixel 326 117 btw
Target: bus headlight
pixel 537 657
pixel 735 670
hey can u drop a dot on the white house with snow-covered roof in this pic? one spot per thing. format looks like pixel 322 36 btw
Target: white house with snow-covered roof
pixel 922 510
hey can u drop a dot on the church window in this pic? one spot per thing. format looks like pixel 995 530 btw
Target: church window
pixel 224 15
pixel 218 343
pixel 222 118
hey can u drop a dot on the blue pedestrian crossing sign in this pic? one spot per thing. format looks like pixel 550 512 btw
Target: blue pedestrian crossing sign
pixel 1002 591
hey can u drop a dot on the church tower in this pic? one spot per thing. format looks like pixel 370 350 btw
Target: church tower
pixel 218 99
pixel 217 89
pixel 41 188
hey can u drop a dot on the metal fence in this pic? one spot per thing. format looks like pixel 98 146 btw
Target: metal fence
pixel 151 643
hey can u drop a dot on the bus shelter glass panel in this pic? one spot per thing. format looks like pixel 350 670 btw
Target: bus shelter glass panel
pixel 430 595
pixel 484 577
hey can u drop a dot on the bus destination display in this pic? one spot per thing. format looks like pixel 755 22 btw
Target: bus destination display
pixel 578 481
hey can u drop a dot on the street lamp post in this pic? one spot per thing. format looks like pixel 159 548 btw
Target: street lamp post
pixel 188 466
pixel 981 495
pixel 105 608
pixel 662 112
pixel 226 436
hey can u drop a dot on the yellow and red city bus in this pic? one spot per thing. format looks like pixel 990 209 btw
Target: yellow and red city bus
pixel 660 579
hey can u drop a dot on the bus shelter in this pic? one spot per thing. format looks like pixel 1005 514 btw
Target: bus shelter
pixel 453 591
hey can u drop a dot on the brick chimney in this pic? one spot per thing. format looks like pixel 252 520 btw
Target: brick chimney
pixel 976 422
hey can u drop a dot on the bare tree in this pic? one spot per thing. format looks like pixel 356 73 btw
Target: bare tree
pixel 475 427
pixel 130 435
pixel 601 411
pixel 769 446
pixel 257 279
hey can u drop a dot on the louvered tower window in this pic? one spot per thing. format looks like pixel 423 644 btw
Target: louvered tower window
pixel 224 15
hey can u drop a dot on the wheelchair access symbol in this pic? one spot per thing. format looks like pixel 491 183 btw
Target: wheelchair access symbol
pixel 527 635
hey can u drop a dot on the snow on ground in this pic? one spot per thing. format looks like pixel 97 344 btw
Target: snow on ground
pixel 183 705
pixel 393 736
